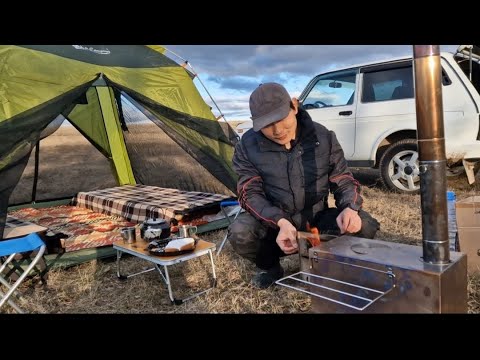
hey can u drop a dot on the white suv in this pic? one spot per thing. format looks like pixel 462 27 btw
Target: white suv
pixel 371 108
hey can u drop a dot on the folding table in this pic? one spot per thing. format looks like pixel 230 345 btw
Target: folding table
pixel 139 249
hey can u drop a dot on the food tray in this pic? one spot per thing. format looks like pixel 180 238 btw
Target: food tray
pixel 157 248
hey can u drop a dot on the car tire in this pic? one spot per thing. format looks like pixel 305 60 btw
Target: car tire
pixel 399 167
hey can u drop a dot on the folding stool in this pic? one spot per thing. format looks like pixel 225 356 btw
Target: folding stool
pixel 9 249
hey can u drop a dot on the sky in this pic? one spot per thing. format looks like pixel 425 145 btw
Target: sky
pixel 231 72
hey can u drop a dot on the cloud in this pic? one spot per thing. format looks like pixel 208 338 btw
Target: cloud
pixel 232 72
pixel 233 106
pixel 235 82
pixel 268 61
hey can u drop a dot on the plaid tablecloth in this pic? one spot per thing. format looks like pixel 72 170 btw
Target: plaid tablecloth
pixel 139 202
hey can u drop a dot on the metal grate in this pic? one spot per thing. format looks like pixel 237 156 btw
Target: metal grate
pixel 354 296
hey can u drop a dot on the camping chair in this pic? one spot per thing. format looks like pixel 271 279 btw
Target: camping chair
pixel 223 205
pixel 9 249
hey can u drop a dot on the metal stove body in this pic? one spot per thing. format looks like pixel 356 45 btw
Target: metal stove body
pixel 355 275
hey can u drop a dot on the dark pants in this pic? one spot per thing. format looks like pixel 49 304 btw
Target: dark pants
pixel 257 242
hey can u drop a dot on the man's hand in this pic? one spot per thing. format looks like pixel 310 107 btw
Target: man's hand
pixel 349 221
pixel 287 237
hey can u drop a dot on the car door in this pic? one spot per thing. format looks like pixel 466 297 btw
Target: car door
pixel 386 105
pixel 330 101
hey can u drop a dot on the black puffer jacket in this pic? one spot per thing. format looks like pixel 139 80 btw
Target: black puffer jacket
pixel 277 183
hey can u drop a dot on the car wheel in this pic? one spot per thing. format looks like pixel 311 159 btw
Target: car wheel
pixel 399 167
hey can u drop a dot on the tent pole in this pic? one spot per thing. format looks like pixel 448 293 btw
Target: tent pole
pixel 35 177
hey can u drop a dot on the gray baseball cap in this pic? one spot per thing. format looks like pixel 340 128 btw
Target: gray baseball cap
pixel 269 103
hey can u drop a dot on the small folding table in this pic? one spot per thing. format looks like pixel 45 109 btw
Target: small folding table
pixel 140 249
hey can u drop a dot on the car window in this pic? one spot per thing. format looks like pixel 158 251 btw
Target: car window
pixel 333 89
pixel 388 84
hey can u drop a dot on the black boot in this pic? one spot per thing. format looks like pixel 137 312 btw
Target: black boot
pixel 265 278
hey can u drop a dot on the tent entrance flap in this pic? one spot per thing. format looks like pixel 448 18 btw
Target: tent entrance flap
pixel 202 139
pixel 115 137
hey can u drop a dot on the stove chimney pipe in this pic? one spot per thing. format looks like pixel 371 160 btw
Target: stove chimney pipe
pixel 431 150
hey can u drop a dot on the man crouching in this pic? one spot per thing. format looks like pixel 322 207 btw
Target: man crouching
pixel 287 166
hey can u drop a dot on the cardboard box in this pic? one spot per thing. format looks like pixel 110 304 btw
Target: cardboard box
pixel 468 225
pixel 468 212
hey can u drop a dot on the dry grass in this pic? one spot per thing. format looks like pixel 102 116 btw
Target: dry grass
pixel 93 287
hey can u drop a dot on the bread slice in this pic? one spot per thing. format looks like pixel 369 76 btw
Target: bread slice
pixel 180 245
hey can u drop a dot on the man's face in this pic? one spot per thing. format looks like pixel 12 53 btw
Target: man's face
pixel 283 130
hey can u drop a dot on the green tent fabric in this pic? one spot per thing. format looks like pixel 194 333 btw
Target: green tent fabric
pixel 83 83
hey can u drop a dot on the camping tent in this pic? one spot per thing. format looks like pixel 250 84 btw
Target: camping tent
pixel 40 85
